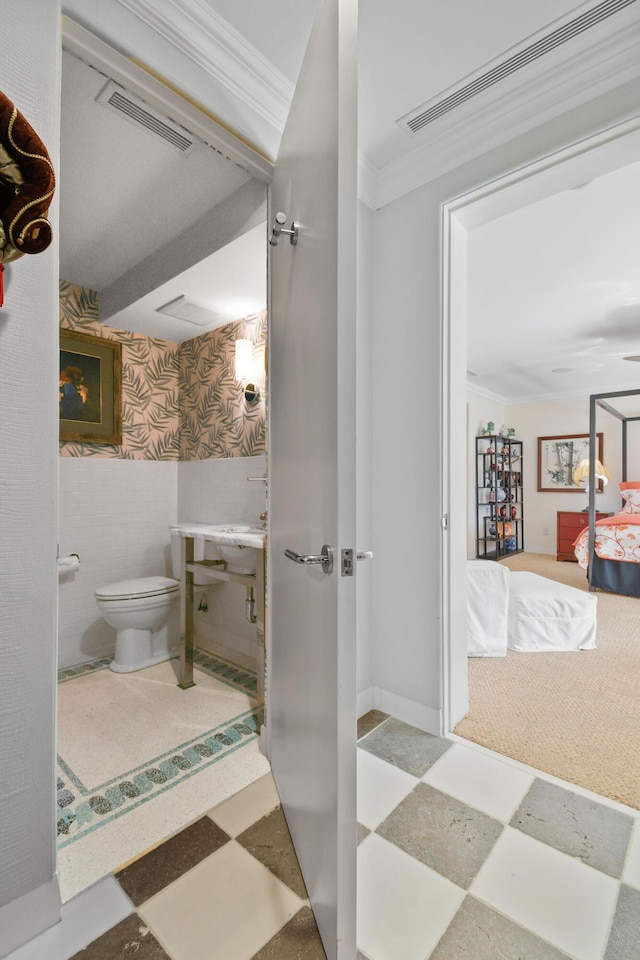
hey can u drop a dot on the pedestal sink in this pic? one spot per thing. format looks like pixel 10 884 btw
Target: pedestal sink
pixel 238 554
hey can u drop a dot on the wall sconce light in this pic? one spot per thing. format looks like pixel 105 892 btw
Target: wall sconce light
pixel 246 370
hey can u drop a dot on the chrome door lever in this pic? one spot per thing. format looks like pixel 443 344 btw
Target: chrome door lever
pixel 325 558
pixel 279 227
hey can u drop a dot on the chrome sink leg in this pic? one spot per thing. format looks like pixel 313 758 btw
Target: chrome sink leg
pixel 186 641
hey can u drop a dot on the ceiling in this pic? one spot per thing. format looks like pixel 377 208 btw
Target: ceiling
pixel 570 302
pixel 554 293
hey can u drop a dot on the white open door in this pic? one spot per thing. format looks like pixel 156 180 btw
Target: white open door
pixel 311 694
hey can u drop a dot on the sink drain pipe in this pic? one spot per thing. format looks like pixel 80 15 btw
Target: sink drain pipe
pixel 250 606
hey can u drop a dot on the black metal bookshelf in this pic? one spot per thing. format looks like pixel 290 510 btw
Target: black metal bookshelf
pixel 499 500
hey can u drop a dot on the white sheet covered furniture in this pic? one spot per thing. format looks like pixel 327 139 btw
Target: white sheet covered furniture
pixel 546 616
pixel 487 608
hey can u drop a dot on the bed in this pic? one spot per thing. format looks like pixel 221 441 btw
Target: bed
pixel 609 550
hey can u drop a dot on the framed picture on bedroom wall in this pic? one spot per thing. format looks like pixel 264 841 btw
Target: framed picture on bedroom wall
pixel 559 456
pixel 90 388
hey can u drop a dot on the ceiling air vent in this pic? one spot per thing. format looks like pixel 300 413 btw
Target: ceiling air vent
pixel 135 110
pixel 418 119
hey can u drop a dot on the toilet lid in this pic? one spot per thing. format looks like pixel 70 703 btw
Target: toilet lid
pixel 140 587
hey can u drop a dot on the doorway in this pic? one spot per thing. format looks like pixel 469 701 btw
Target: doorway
pixel 566 170
pixel 118 500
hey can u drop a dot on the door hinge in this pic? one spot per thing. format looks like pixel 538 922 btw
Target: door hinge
pixel 347 562
pixel 444 521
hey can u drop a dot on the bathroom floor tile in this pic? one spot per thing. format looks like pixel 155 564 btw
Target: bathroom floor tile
pixel 393 891
pixel 381 787
pixel 109 844
pixel 631 871
pixel 130 938
pixel 95 740
pixel 582 828
pixel 298 940
pixel 405 747
pixel 484 782
pixel 479 933
pixel 93 857
pixel 558 898
pixel 369 721
pixel 442 833
pixel 269 841
pixel 226 908
pixel 247 806
pixel 625 932
pixel 160 867
pixel 363 832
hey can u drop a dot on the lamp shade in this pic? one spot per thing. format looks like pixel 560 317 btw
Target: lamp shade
pixel 581 472
pixel 244 360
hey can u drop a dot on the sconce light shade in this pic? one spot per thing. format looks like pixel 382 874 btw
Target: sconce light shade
pixel 245 370
pixel 244 360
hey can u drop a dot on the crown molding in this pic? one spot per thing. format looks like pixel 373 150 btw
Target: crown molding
pixel 209 41
pixel 81 42
pixel 603 58
pixel 475 390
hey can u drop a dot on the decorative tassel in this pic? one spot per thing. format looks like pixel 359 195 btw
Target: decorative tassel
pixel 1 285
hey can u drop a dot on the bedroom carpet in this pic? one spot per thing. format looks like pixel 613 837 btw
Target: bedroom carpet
pixel 575 716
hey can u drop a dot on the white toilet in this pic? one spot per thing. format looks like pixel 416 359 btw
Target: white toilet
pixel 146 615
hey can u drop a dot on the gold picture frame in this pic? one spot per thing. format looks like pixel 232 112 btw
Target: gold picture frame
pixel 90 388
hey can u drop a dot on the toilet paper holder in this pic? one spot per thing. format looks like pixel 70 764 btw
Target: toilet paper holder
pixel 68 564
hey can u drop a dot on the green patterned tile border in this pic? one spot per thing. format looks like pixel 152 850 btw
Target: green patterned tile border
pixel 82 669
pixel 240 678
pixel 82 809
pixel 226 672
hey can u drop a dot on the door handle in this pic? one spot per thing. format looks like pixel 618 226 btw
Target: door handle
pixel 325 558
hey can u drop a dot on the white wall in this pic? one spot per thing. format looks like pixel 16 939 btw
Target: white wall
pixel 364 454
pixel 217 491
pixel 557 418
pixel 406 453
pixel 29 899
pixel 408 503
pixel 115 515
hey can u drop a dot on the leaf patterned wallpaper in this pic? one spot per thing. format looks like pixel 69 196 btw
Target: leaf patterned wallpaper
pixel 179 401
pixel 215 418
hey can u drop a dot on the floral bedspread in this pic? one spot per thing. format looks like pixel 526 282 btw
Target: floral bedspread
pixel 617 538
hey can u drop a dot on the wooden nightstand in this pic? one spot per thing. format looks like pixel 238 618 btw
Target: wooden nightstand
pixel 570 523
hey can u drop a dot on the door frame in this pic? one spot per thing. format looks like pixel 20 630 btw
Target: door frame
pixel 563 169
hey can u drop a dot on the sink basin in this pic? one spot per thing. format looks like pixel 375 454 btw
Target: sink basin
pixel 239 559
pixel 237 543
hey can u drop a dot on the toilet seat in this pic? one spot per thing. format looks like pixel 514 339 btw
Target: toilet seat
pixel 138 587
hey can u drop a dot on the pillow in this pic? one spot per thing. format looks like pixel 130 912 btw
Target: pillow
pixel 630 493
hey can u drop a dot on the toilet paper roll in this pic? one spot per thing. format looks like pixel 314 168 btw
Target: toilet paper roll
pixel 68 564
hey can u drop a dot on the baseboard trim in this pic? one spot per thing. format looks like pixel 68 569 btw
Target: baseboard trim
pixel 416 714
pixel 365 702
pixel 27 916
